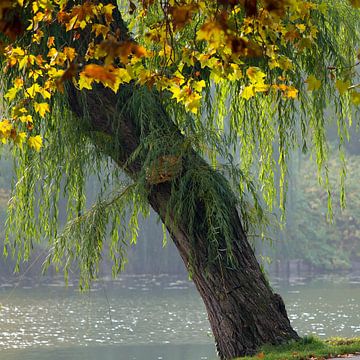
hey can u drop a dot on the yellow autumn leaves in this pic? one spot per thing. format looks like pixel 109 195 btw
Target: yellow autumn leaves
pixel 35 142
pixel 345 86
pixel 258 85
pixel 7 131
pixel 342 86
pixel 226 43
pixel 108 75
pixel 22 97
pixel 41 75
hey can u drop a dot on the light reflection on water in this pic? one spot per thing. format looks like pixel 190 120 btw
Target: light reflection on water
pixel 143 317
pixel 133 310
pixel 325 306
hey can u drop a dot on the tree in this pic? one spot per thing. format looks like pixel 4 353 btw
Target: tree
pixel 173 104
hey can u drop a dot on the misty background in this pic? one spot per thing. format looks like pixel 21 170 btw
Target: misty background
pixel 307 242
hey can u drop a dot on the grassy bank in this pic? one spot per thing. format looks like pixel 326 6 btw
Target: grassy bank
pixel 309 348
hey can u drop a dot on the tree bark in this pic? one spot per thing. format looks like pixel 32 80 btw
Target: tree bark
pixel 243 311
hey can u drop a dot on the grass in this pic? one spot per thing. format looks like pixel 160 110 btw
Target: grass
pixel 309 347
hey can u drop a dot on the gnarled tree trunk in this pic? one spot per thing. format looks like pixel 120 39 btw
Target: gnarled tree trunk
pixel 243 311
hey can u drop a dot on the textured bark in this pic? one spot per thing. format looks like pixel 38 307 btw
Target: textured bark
pixel 243 311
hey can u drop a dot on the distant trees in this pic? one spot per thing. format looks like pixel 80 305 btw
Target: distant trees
pixel 309 235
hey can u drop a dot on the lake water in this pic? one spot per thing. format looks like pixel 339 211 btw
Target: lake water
pixel 146 318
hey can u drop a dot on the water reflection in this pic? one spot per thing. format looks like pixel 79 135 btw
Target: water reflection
pixel 132 310
pixel 328 305
pixel 142 317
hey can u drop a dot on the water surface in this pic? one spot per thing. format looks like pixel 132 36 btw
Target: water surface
pixel 145 317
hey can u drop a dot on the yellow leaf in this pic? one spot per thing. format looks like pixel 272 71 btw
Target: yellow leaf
pixel 35 7
pixel 35 73
pixel 301 27
pixel 259 87
pixel 38 36
pixel 56 57
pixel 107 75
pixel 248 92
pixel 18 83
pixel 41 108
pixel 55 73
pixel 255 75
pixel 313 83
pixel 5 130
pixel 85 82
pixel 70 53
pixel 52 53
pixel 50 41
pixel 100 29
pixel 198 85
pixel 5 126
pixel 192 103
pixel 32 90
pixel 10 95
pixel 17 51
pixel 107 10
pixel 71 23
pixel 26 119
pixel 355 98
pixel 193 106
pixel 291 92
pixel 82 24
pixel 35 142
pixel 45 94
pixel 100 73
pixel 123 75
pixel 342 86
pixel 236 73
pixel 23 62
pixel 176 91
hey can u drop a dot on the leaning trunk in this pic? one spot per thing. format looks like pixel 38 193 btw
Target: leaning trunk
pixel 243 311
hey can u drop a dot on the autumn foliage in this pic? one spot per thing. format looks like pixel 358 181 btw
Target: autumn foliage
pixel 180 47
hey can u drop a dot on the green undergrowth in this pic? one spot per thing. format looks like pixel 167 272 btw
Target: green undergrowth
pixel 309 348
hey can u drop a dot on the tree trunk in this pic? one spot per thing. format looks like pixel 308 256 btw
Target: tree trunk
pixel 243 311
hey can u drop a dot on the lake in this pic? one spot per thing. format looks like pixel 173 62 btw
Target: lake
pixel 146 317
